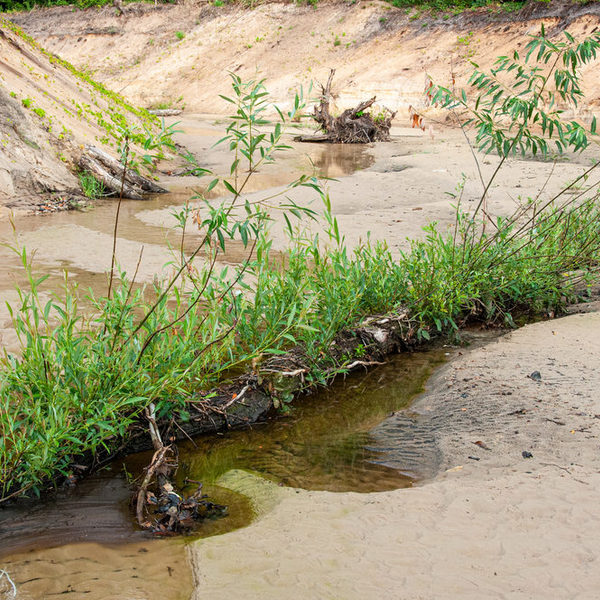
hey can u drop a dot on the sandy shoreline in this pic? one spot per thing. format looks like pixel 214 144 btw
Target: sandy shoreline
pixel 503 526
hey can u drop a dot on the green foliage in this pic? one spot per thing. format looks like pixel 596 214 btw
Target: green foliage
pixel 83 376
pixel 90 186
pixel 455 5
pixel 518 105
pixel 179 35
pixel 16 5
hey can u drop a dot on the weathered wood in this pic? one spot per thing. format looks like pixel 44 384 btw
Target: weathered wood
pixel 165 112
pixel 116 168
pixel 355 112
pixel 312 138
pixel 109 181
pixel 354 125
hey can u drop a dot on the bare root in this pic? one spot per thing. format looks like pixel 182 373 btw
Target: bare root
pixel 354 126
pixel 171 512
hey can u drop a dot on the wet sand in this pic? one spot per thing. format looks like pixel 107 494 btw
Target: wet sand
pixel 493 525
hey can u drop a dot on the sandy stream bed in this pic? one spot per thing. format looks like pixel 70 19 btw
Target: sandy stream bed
pixel 503 526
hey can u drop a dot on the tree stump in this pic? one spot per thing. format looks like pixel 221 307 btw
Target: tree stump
pixel 353 126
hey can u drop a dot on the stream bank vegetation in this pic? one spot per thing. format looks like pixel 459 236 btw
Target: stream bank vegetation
pixel 425 5
pixel 215 347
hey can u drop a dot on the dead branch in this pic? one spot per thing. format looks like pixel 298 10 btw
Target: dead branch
pixel 13 592
pixel 362 363
pixel 173 514
pixel 110 182
pixel 158 462
pixel 154 432
pixel 285 373
pixel 165 112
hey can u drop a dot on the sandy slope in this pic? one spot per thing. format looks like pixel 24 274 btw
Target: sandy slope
pixel 501 527
pixel 376 49
pixel 47 114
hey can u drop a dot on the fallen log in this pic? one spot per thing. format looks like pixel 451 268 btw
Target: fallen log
pixel 313 138
pixel 354 125
pixel 165 112
pixel 116 168
pixel 110 182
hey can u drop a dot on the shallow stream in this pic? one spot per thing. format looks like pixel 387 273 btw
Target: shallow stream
pixel 84 542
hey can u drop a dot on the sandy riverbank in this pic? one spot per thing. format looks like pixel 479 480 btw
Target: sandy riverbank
pixel 503 526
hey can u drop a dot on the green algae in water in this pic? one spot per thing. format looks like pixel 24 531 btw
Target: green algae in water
pixel 325 444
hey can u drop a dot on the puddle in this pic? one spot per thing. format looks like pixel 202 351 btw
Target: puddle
pixel 338 160
pixel 85 543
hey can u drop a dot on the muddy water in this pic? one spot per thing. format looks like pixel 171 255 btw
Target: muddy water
pixel 326 443
pixel 81 241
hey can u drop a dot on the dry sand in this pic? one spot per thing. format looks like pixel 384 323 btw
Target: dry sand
pixel 375 48
pixel 503 526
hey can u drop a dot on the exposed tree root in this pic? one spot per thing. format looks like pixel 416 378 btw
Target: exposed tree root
pixel 172 513
pixel 354 125
pixel 280 379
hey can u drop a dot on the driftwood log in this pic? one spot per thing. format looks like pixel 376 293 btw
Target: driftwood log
pixel 353 126
pixel 109 171
pixel 165 112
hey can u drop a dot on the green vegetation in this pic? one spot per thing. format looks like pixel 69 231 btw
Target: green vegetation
pixel 91 187
pixel 9 5
pixel 83 377
pixel 115 118
pixel 179 35
pixel 456 5
pixel 424 5
pixel 518 103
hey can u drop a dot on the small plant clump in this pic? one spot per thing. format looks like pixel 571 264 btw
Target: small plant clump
pixel 91 187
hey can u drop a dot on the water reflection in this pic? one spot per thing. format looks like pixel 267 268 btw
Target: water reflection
pixel 338 160
pixel 326 444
